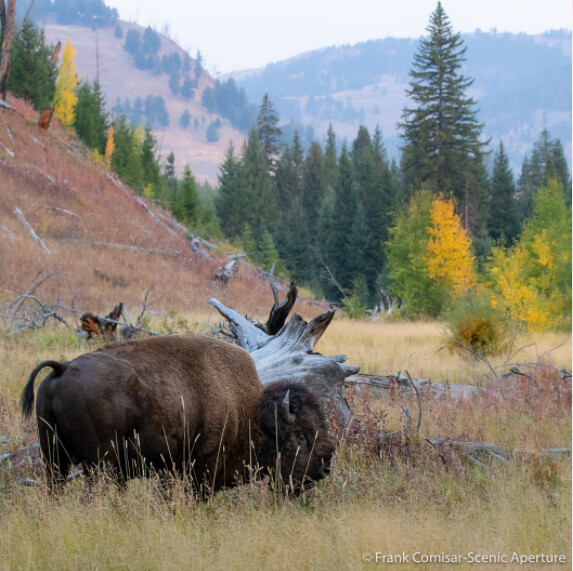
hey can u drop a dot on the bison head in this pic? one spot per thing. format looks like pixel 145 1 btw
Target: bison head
pixel 294 435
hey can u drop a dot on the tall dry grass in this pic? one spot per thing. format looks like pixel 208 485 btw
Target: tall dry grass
pixel 406 504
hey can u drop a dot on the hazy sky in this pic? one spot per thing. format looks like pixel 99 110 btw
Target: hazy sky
pixel 234 35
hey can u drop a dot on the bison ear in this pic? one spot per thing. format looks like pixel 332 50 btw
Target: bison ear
pixel 285 412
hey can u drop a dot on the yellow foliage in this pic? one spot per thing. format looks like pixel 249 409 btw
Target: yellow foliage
pixel 97 158
pixel 518 293
pixel 65 98
pixel 109 146
pixel 448 257
pixel 149 191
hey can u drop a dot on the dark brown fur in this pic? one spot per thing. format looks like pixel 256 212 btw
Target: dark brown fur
pixel 176 403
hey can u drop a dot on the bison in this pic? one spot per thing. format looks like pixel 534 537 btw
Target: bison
pixel 187 404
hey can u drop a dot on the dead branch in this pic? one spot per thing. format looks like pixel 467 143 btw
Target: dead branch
pixel 8 233
pixel 20 216
pixel 455 453
pixel 138 249
pixel 10 313
pixel 404 384
pixel 279 311
pixel 387 440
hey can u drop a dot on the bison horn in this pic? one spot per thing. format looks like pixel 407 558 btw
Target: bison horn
pixel 286 414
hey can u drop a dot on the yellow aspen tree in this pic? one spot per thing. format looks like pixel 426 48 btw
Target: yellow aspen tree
pixel 109 146
pixel 448 257
pixel 65 98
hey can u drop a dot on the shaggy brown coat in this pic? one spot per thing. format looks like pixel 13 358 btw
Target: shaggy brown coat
pixel 176 403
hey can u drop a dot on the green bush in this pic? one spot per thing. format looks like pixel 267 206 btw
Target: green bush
pixel 473 324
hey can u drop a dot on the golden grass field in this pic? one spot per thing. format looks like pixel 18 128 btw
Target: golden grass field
pixel 408 505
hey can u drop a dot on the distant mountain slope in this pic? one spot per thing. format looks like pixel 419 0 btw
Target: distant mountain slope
pixel 522 84
pixel 99 54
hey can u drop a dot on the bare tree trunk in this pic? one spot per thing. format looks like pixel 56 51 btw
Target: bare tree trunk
pixel 7 22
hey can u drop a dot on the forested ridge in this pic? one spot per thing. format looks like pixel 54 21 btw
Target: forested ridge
pixel 449 222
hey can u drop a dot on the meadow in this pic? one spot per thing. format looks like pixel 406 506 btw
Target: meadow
pixel 405 507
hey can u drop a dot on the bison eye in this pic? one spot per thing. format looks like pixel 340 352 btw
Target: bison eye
pixel 301 438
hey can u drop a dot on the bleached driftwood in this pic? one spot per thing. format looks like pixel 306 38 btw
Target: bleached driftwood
pixel 454 453
pixel 289 355
pixel 9 233
pixel 404 384
pixel 20 216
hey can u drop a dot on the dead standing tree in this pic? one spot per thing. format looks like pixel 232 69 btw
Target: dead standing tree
pixel 7 24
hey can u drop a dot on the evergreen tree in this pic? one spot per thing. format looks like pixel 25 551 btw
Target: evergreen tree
pixel 230 201
pixel 547 162
pixel 336 251
pixel 502 222
pixel 32 73
pixel 441 133
pixel 132 42
pixel 330 159
pixel 185 119
pixel 259 207
pixel 267 253
pixel 313 189
pixel 287 181
pixel 149 164
pixel 187 91
pixel 190 202
pixel 369 196
pixel 268 131
pixel 90 120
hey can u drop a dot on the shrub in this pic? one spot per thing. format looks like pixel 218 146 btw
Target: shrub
pixel 472 322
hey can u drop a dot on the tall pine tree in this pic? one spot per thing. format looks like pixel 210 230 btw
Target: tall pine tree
pixel 502 223
pixel 32 73
pixel 442 136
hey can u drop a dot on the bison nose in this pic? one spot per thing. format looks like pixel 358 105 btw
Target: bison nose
pixel 326 469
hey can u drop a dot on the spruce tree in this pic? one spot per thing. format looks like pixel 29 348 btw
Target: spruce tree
pixel 502 223
pixel 257 203
pixel 32 73
pixel 230 200
pixel 547 162
pixel 287 180
pixel 336 250
pixel 268 130
pixel 442 136
pixel 330 159
pixel 189 196
pixel 90 121
pixel 313 189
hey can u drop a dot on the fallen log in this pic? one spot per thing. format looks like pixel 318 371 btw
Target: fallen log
pixel 405 385
pixel 20 216
pixel 454 453
pixel 289 353
pixel 104 327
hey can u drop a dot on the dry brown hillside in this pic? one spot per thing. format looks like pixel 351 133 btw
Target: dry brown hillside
pixel 103 244
pixel 100 55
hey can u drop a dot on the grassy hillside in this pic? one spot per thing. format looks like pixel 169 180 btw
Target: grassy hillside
pixel 100 55
pixel 104 245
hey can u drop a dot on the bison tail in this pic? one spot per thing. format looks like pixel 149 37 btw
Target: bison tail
pixel 28 392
